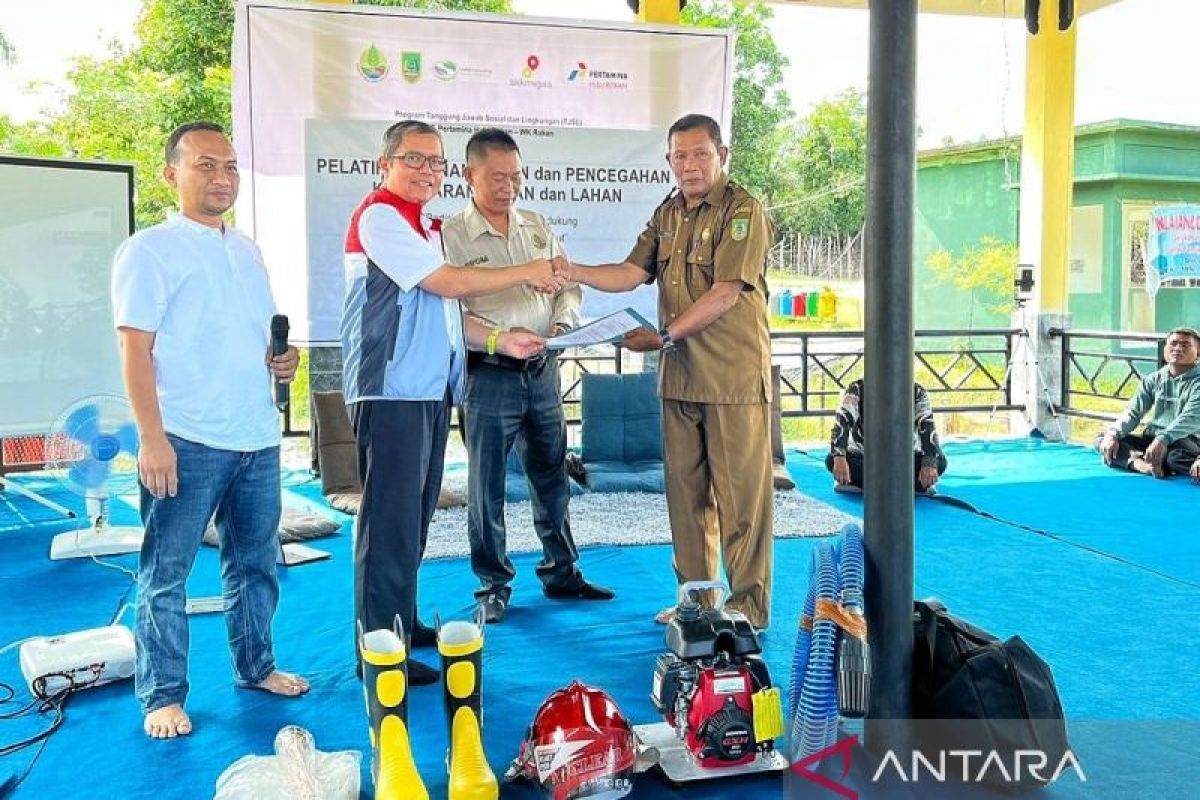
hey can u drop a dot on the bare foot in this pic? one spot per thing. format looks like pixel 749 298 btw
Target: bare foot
pixel 284 683
pixel 1141 465
pixel 167 722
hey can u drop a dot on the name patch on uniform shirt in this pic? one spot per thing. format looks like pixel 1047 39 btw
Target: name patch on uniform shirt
pixel 739 228
pixel 474 262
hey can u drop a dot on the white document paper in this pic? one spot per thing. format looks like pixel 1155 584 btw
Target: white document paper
pixel 602 331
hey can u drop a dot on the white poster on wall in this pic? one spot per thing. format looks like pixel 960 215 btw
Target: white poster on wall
pixel 1086 261
pixel 588 103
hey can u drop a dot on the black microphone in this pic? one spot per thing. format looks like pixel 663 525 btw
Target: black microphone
pixel 279 346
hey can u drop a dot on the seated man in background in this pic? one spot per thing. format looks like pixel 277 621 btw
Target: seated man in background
pixel 845 459
pixel 1170 442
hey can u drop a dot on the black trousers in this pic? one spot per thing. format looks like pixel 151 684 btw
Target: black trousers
pixel 508 409
pixel 401 451
pixel 1181 454
pixel 856 468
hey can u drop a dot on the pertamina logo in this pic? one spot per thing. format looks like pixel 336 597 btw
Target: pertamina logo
pixel 583 75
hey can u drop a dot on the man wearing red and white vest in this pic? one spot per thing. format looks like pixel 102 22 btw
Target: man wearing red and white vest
pixel 404 357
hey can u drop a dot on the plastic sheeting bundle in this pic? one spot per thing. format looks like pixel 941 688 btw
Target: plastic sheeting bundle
pixel 297 771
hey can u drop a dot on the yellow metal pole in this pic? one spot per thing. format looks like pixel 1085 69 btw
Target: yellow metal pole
pixel 1048 156
pixel 663 12
pixel 1047 170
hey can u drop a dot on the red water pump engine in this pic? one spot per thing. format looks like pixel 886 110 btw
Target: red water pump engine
pixel 704 686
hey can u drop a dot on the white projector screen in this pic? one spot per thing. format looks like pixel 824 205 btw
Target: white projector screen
pixel 60 224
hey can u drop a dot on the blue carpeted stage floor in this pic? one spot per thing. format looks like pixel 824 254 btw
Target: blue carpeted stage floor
pixel 1113 603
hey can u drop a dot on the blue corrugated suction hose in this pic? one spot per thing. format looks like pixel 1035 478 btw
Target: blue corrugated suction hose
pixel 831 661
pixel 814 727
pixel 854 655
pixel 803 640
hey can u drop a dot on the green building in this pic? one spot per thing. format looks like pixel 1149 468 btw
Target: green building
pixel 1123 168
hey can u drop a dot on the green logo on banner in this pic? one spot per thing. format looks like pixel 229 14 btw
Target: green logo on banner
pixel 410 66
pixel 372 64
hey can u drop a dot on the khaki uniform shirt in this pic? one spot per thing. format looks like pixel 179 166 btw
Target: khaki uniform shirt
pixel 724 238
pixel 471 241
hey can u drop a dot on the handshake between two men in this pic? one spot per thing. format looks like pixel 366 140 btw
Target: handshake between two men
pixel 548 275
pixel 554 275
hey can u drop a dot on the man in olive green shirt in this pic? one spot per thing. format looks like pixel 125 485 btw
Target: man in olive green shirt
pixel 513 402
pixel 1170 442
pixel 706 246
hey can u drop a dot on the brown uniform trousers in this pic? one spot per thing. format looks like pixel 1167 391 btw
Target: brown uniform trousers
pixel 716 390
pixel 719 492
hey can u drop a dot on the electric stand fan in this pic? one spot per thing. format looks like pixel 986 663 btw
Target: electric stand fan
pixel 92 450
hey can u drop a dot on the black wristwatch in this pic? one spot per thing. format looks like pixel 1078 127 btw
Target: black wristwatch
pixel 665 335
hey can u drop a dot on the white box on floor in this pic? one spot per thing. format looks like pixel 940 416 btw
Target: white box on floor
pixel 84 658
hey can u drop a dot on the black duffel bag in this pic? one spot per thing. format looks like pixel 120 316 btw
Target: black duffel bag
pixel 986 695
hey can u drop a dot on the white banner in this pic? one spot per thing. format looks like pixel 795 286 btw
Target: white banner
pixel 588 103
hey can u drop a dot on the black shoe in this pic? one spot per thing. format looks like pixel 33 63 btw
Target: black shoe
pixel 576 471
pixel 421 674
pixel 423 635
pixel 494 606
pixel 580 590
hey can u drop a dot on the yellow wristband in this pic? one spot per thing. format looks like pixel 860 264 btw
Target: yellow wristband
pixel 492 340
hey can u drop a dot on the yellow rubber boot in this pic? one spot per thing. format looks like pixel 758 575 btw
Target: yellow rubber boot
pixel 461 646
pixel 385 683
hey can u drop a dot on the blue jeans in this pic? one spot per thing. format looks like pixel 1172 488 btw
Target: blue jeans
pixel 242 489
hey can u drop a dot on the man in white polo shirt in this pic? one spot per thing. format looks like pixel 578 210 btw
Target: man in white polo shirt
pixel 192 307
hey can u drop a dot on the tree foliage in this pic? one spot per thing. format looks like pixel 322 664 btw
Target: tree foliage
pixel 760 103
pixel 121 108
pixel 826 162
pixel 8 54
pixel 984 269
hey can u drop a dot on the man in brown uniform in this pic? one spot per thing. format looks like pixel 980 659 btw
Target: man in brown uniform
pixel 706 247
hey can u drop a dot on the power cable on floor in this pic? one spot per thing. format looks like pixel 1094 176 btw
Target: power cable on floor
pixel 973 509
pixel 42 703
pixel 966 506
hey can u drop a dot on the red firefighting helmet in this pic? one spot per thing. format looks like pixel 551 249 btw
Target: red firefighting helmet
pixel 579 746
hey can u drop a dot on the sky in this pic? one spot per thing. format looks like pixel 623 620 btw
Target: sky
pixel 1135 59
